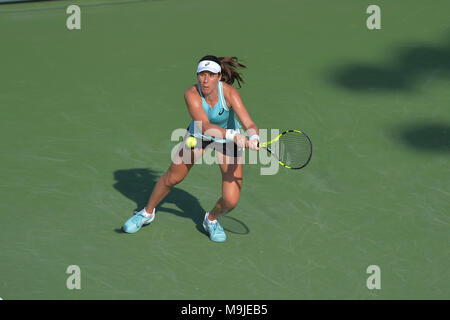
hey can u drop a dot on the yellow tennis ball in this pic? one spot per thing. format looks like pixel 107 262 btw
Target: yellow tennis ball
pixel 191 142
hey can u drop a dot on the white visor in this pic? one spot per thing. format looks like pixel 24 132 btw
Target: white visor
pixel 208 65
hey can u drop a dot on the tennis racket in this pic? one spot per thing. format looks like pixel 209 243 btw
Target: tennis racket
pixel 294 150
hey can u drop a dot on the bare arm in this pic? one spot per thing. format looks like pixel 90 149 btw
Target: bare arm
pixel 238 106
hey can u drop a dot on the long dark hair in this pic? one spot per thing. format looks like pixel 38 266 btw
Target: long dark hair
pixel 229 67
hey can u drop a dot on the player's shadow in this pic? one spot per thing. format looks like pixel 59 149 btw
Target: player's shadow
pixel 137 185
pixel 429 137
pixel 405 71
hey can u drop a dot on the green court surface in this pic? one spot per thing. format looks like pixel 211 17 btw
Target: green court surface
pixel 87 116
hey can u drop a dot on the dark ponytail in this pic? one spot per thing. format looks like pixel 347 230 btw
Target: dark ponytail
pixel 229 67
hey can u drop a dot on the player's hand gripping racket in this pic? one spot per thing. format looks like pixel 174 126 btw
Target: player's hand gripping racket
pixel 294 149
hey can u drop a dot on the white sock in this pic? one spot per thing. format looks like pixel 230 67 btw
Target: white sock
pixel 146 214
pixel 206 217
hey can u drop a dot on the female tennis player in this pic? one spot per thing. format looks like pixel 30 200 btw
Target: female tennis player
pixel 212 104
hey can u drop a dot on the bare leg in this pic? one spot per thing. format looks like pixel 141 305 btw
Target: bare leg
pixel 177 171
pixel 231 187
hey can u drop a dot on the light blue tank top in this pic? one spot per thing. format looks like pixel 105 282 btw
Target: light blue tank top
pixel 220 115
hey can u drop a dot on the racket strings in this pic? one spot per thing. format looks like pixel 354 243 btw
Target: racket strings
pixel 294 149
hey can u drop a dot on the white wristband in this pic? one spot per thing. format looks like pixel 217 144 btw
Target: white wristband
pixel 230 133
pixel 253 137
